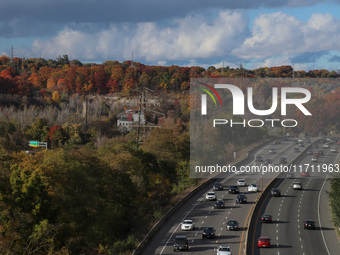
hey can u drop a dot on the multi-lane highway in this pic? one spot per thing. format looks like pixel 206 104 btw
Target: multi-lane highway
pixel 289 212
pixel 203 213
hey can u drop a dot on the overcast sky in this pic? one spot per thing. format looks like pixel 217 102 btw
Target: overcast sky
pixel 302 33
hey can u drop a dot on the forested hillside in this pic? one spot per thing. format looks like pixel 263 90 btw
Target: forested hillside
pixel 95 190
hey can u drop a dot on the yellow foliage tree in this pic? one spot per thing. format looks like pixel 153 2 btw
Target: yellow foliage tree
pixel 56 97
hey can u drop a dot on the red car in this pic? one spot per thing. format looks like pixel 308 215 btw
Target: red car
pixel 305 174
pixel 316 154
pixel 263 242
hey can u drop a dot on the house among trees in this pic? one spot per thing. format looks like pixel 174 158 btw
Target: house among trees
pixel 128 120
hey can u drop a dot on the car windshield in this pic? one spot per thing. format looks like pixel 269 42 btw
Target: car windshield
pixel 181 240
pixel 224 249
pixel 264 239
pixel 208 229
pixel 187 222
pixel 232 222
pixel 211 193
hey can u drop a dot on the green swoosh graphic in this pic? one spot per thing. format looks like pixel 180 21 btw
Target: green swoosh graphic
pixel 209 95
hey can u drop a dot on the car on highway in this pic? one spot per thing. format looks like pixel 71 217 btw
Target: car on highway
pixel 314 159
pixel 241 182
pixel 316 154
pixel 301 145
pixel 232 225
pixel 210 196
pixel 238 171
pixel 305 174
pixel 283 160
pixel 218 186
pixel 223 250
pixel 309 224
pixel 272 151
pixel 252 188
pixel 258 158
pixel 208 232
pixel 219 204
pixel 241 199
pixel 297 185
pixel 181 243
pixel 266 218
pixel 320 152
pixel 277 142
pixel 187 225
pixel 295 141
pixel 263 242
pixel 333 149
pixel 296 150
pixel 275 192
pixel 309 152
pixel 268 161
pixel 290 175
pixel 326 145
pixel 233 190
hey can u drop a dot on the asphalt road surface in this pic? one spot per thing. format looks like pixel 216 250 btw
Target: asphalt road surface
pixel 289 212
pixel 203 213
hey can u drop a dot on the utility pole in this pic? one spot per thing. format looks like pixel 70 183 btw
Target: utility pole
pixel 12 53
pixel 141 124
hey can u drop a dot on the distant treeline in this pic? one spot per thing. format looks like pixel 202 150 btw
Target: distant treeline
pixel 37 75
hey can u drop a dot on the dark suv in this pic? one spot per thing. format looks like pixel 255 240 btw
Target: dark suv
pixel 283 160
pixel 208 232
pixel 232 225
pixel 266 218
pixel 233 190
pixel 241 199
pixel 275 192
pixel 181 243
pixel 309 224
pixel 218 186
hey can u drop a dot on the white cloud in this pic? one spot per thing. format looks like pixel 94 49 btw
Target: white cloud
pixel 195 36
pixel 278 34
pixel 274 39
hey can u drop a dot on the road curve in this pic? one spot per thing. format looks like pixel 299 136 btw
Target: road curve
pixel 289 212
pixel 203 214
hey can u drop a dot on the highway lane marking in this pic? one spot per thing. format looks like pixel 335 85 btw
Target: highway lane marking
pixel 256 219
pixel 319 219
pixel 179 225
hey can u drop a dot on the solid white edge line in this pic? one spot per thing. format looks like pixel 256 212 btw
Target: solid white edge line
pixel 323 236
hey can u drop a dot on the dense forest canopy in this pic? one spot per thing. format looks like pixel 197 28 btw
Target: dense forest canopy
pixel 37 75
